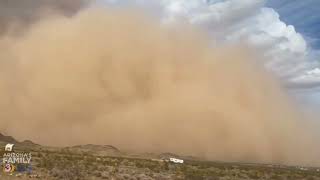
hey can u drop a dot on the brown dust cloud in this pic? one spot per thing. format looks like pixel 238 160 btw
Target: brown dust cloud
pixel 74 75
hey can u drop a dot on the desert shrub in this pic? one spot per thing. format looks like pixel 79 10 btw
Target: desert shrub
pixel 191 176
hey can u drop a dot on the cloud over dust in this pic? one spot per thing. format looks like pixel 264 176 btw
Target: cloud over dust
pixel 16 15
pixel 115 77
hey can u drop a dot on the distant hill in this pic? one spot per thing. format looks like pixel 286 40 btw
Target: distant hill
pixel 7 139
pixel 97 149
pixel 10 139
pixel 29 143
pixel 88 148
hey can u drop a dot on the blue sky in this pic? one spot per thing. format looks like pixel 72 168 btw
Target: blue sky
pixel 303 14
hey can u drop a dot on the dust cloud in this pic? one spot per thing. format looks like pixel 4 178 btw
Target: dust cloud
pixel 113 76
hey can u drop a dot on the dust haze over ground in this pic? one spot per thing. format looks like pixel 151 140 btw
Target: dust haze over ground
pixel 112 76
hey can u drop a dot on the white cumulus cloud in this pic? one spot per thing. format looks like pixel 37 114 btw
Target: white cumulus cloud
pixel 308 78
pixel 232 21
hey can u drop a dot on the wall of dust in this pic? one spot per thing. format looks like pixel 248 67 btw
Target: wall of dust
pixel 109 76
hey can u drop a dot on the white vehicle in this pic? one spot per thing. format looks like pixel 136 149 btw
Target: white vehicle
pixel 175 160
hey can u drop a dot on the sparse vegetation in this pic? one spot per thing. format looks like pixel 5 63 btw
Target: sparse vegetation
pixel 77 163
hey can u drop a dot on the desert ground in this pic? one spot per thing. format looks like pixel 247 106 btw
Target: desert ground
pixel 108 162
